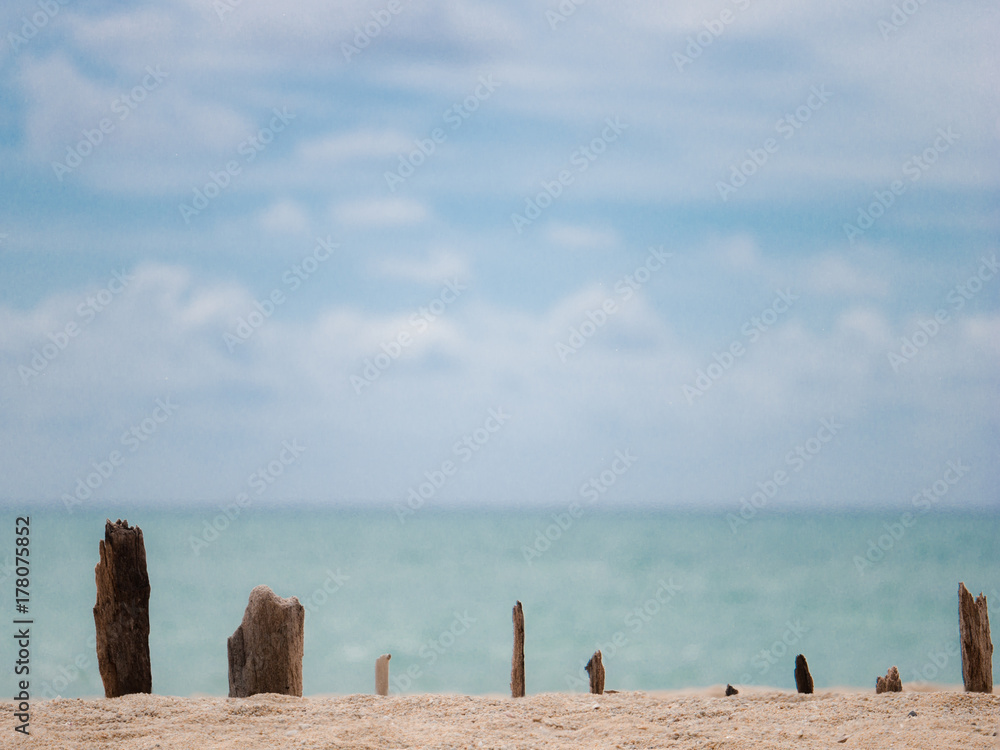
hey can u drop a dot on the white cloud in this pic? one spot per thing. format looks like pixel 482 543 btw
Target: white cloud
pixel 685 128
pixel 292 377
pixel 868 324
pixel 360 144
pixel 834 275
pixel 381 212
pixel 434 269
pixel 61 102
pixel 580 236
pixel 146 32
pixel 739 253
pixel 284 216
pixel 139 145
pixel 982 333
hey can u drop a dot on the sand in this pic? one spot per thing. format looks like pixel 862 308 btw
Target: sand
pixel 755 718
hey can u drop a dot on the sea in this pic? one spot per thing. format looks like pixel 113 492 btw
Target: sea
pixel 674 600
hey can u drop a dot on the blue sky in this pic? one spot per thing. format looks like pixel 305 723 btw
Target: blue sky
pixel 689 233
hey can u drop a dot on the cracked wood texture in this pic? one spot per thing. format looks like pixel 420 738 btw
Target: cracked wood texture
pixel 890 683
pixel 977 648
pixel 265 652
pixel 517 660
pixel 595 668
pixel 121 614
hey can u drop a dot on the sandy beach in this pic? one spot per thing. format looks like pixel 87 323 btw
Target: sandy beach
pixel 756 718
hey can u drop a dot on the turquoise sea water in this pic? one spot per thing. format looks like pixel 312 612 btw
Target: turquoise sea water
pixel 674 600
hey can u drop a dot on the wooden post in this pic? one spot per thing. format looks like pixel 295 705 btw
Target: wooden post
pixel 890 683
pixel 517 661
pixel 382 674
pixel 265 652
pixel 595 668
pixel 977 648
pixel 803 680
pixel 121 614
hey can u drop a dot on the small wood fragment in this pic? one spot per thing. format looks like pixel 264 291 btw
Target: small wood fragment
pixel 382 674
pixel 730 690
pixel 517 661
pixel 890 683
pixel 803 680
pixel 121 614
pixel 977 648
pixel 595 668
pixel 265 652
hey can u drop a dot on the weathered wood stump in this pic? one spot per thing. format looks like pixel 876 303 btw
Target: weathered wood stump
pixel 382 674
pixel 803 680
pixel 890 683
pixel 265 652
pixel 595 668
pixel 517 661
pixel 121 614
pixel 977 648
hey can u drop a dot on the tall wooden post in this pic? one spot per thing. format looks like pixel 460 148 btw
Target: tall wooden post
pixel 595 668
pixel 517 661
pixel 977 648
pixel 803 680
pixel 382 674
pixel 121 614
pixel 265 652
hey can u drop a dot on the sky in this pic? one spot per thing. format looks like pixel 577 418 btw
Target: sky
pixel 732 255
